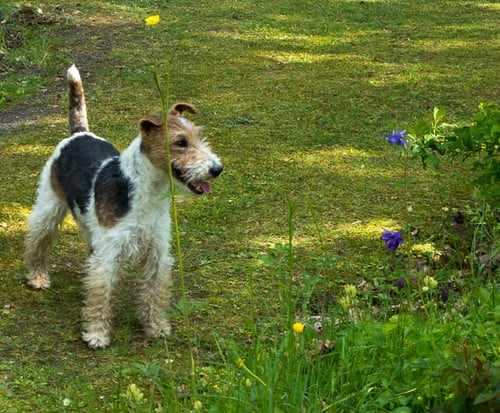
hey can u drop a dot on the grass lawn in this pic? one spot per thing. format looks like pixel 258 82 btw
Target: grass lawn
pixel 294 97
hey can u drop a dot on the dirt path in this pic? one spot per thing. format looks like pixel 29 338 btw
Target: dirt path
pixel 85 50
pixel 31 111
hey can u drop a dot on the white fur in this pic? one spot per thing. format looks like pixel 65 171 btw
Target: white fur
pixel 73 74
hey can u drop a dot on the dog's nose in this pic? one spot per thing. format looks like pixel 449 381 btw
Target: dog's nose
pixel 216 170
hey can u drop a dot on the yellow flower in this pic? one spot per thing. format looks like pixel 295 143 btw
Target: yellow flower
pixel 298 327
pixel 248 383
pixel 197 405
pixel 350 290
pixel 345 303
pixel 429 282
pixel 240 362
pixel 134 392
pixel 152 20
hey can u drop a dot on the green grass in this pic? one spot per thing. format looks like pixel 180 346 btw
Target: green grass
pixel 294 97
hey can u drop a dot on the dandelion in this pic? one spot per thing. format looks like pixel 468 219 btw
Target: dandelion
pixel 397 138
pixel 152 20
pixel 350 290
pixel 240 362
pixel 298 327
pixel 197 405
pixel 392 239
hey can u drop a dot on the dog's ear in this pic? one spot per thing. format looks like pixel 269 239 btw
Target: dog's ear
pixel 178 108
pixel 150 122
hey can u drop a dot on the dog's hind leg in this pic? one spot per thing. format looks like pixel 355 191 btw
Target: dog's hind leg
pixel 154 293
pixel 48 212
pixel 96 313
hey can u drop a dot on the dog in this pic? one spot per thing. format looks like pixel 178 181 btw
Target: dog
pixel 121 205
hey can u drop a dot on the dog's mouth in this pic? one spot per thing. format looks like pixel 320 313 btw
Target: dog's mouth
pixel 196 187
pixel 200 187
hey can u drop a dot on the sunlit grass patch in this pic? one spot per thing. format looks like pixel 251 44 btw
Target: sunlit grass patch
pixel 427 248
pixel 36 149
pixel 15 214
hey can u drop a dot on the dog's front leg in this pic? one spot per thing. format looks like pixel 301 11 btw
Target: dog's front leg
pixel 154 294
pixel 96 313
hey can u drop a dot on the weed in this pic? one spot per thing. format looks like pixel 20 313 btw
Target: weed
pixel 480 140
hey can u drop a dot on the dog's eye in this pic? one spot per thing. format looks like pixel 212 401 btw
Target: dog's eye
pixel 182 142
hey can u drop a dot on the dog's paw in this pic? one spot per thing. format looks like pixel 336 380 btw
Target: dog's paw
pixel 38 280
pixel 96 340
pixel 158 328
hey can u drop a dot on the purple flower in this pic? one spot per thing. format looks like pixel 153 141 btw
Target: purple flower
pixel 397 138
pixel 444 295
pixel 392 239
pixel 458 218
pixel 401 283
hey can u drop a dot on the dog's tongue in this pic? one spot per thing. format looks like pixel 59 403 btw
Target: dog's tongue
pixel 205 186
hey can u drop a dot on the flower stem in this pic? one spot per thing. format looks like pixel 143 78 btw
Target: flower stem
pixel 255 376
pixel 291 266
pixel 164 97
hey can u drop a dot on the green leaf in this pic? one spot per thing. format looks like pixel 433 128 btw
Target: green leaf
pixel 433 160
pixel 485 397
pixel 438 115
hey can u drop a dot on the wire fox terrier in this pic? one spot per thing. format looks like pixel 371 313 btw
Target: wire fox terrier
pixel 119 204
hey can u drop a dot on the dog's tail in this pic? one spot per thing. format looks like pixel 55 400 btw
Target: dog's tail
pixel 77 108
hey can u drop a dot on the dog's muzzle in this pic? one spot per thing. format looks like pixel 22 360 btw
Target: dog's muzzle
pixel 202 186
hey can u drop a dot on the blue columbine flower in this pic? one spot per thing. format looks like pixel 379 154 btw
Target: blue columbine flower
pixel 397 138
pixel 392 239
pixel 401 283
pixel 458 218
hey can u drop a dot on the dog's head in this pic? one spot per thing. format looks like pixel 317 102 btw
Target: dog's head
pixel 193 163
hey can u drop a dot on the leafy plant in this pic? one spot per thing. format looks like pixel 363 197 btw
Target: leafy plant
pixel 479 140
